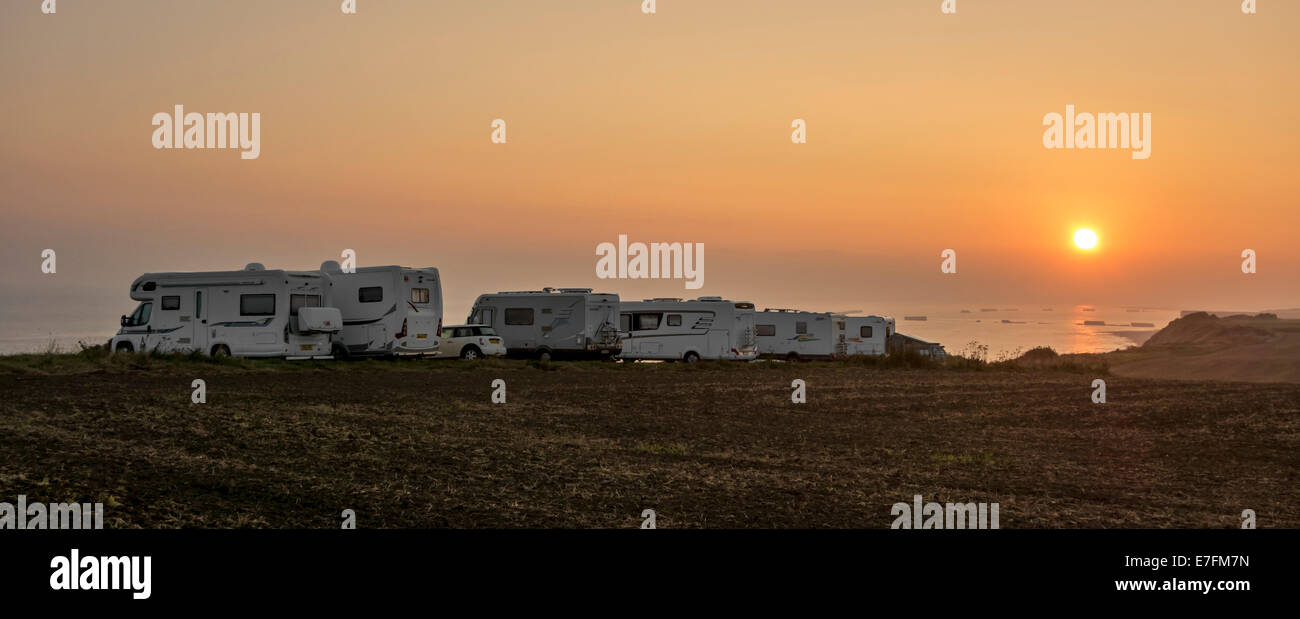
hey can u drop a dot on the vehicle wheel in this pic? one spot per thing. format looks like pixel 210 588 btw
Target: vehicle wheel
pixel 794 356
pixel 220 350
pixel 691 357
pixel 544 355
pixel 339 351
pixel 471 353
pixel 125 347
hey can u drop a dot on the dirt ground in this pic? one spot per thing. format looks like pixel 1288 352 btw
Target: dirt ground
pixel 420 444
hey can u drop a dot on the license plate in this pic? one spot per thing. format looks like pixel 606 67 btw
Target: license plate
pixel 494 340
pixel 306 347
pixel 421 336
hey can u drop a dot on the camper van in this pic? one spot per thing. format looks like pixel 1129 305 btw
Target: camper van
pixel 552 322
pixel 794 335
pixel 673 329
pixel 387 310
pixel 250 313
pixel 867 335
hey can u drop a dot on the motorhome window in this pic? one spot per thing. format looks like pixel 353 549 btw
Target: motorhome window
pixel 198 304
pixel 674 320
pixel 171 302
pixel 646 322
pixel 419 295
pixel 519 315
pixel 370 294
pixel 256 305
pixel 481 316
pixel 625 322
pixel 141 314
pixel 297 301
pixel 765 330
pixel 800 327
pixel 866 331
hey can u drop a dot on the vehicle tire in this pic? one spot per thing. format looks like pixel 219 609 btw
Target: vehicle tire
pixel 792 357
pixel 339 351
pixel 125 347
pixel 544 355
pixel 691 357
pixel 471 353
pixel 220 350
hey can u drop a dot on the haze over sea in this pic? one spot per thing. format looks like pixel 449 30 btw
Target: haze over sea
pixel 1025 327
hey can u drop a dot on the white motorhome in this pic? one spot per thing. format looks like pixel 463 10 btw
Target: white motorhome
pixel 794 335
pixel 674 329
pixel 387 310
pixel 552 322
pixel 250 313
pixel 867 335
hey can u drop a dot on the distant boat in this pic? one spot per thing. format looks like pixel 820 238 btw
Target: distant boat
pixel 1142 324
pixel 1012 322
pixel 914 318
pixel 1094 323
pixel 965 311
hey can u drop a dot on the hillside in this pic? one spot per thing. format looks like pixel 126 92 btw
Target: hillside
pixel 1202 346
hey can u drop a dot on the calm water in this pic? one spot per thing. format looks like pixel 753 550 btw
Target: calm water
pixel 1061 328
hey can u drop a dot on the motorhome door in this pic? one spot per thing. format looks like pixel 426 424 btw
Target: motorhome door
pixel 198 319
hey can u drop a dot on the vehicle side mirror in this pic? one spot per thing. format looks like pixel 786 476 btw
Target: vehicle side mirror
pixel 126 322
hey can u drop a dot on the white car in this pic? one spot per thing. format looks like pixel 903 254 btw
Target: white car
pixel 470 342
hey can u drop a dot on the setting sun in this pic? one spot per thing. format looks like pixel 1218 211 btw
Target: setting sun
pixel 1085 238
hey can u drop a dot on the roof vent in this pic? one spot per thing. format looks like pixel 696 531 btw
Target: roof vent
pixel 330 266
pixel 254 266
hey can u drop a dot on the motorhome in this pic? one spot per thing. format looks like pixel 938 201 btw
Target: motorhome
pixel 690 330
pixel 795 335
pixel 552 322
pixel 387 310
pixel 867 335
pixel 255 312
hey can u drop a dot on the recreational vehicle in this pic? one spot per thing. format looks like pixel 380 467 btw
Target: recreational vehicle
pixel 250 313
pixel 867 335
pixel 387 310
pixel 552 322
pixel 673 329
pixel 794 335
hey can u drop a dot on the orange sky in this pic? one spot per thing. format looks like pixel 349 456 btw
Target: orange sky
pixel 924 133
